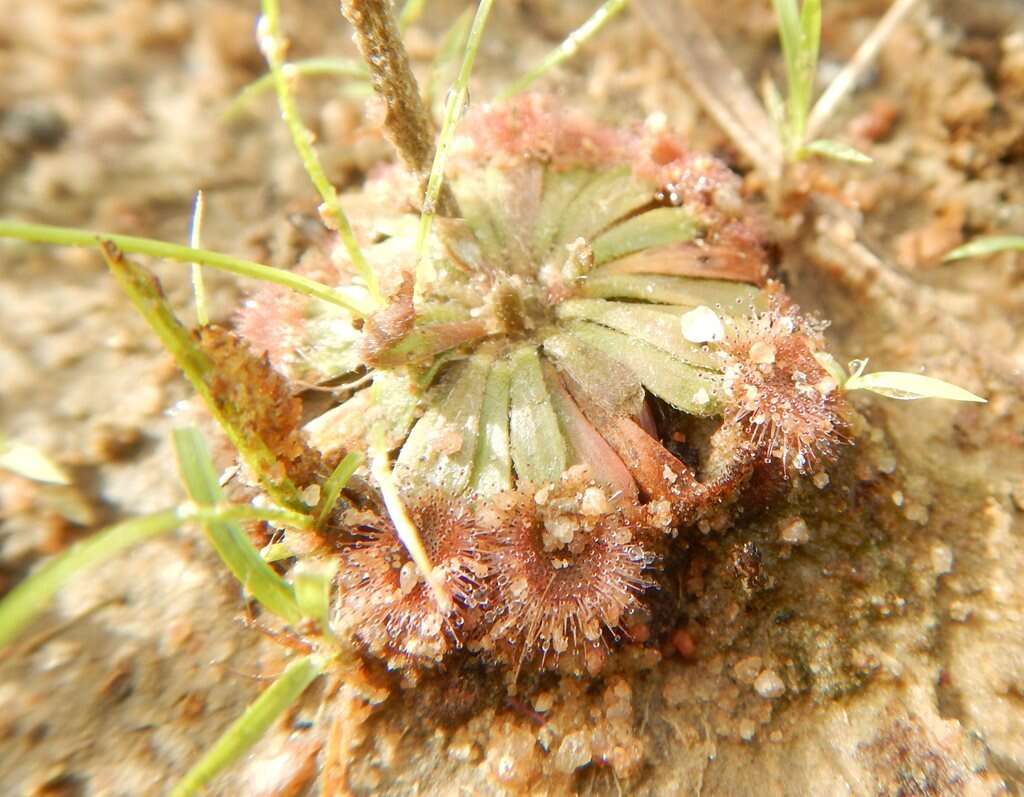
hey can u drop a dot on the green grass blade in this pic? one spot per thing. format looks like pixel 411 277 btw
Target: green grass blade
pixel 800 35
pixel 452 112
pixel 273 47
pixel 68 236
pixel 33 594
pixel 306 67
pixel 247 729
pixel 989 245
pixel 568 48
pixel 227 538
pixel 335 483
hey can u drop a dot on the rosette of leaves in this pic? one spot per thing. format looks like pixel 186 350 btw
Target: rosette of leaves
pixel 597 325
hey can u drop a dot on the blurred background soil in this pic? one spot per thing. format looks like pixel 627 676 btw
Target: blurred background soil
pixel 863 637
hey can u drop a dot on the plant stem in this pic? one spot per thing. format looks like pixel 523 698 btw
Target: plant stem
pixel 68 236
pixel 846 80
pixel 452 112
pixel 306 67
pixel 406 122
pixel 273 48
pixel 568 48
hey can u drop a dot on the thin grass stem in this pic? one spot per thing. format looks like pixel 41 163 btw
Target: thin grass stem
pixel 305 67
pixel 250 727
pixel 453 111
pixel 568 48
pixel 273 47
pixel 69 236
pixel 843 83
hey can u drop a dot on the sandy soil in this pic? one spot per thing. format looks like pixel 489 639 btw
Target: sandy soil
pixel 883 655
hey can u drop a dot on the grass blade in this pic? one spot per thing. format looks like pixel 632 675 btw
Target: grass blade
pixel 335 483
pixel 844 83
pixel 33 594
pixel 68 236
pixel 306 67
pixel 568 48
pixel 247 729
pixel 227 538
pixel 989 245
pixel 273 47
pixel 452 112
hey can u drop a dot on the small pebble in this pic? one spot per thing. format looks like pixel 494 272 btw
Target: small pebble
pixel 769 685
pixel 794 531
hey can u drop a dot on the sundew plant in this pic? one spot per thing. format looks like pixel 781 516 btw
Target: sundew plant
pixel 557 349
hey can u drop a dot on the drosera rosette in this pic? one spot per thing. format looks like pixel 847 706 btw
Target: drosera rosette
pixel 604 289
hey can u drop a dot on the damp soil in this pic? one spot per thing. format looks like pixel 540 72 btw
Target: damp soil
pixel 860 635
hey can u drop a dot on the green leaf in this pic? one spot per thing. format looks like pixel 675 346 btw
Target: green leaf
pixel 989 245
pixel 690 389
pixel 654 228
pixel 899 385
pixel 538 449
pixel 648 324
pixel 247 729
pixel 454 107
pixel 30 463
pixel 33 594
pixel 612 195
pixel 227 538
pixel 729 298
pixel 451 422
pixel 560 188
pixel 836 150
pixel 492 468
pixel 606 381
